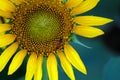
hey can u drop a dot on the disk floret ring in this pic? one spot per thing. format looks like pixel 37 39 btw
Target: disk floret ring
pixel 43 28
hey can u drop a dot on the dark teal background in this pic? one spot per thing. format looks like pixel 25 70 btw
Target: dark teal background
pixel 100 61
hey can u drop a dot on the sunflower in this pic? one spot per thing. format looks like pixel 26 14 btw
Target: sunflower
pixel 43 29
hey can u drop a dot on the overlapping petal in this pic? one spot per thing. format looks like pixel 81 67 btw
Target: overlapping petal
pixel 84 6
pixel 74 58
pixel 52 67
pixel 5 14
pixel 87 31
pixel 38 72
pixel 66 65
pixel 4 27
pixel 6 39
pixel 7 54
pixel 73 3
pixel 7 6
pixel 17 61
pixel 31 66
pixel 92 20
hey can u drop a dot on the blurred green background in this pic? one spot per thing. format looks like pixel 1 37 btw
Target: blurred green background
pixel 103 59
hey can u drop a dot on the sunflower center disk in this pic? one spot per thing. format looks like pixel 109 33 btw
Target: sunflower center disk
pixel 42 27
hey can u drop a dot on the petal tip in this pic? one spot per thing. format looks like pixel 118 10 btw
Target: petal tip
pixel 84 71
pixel 110 20
pixel 9 72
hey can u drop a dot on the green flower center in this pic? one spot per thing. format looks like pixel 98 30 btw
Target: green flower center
pixel 42 26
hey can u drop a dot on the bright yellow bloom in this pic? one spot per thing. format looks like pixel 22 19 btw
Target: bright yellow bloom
pixel 43 28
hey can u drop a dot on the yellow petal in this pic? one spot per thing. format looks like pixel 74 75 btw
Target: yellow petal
pixel 87 31
pixel 2 34
pixel 38 73
pixel 66 65
pixel 31 66
pixel 92 20
pixel 74 58
pixel 4 27
pixel 6 39
pixel 52 67
pixel 5 14
pixel 17 61
pixel 7 54
pixel 18 1
pixel 73 3
pixel 85 6
pixel 7 6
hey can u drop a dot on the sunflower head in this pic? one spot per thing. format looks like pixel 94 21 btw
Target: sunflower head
pixel 44 28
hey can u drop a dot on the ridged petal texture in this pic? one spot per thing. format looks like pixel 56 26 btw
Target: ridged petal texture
pixel 52 67
pixel 7 6
pixel 91 20
pixel 74 58
pixel 4 27
pixel 38 72
pixel 6 39
pixel 85 6
pixel 7 54
pixel 31 66
pixel 87 31
pixel 5 14
pixel 66 65
pixel 17 61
